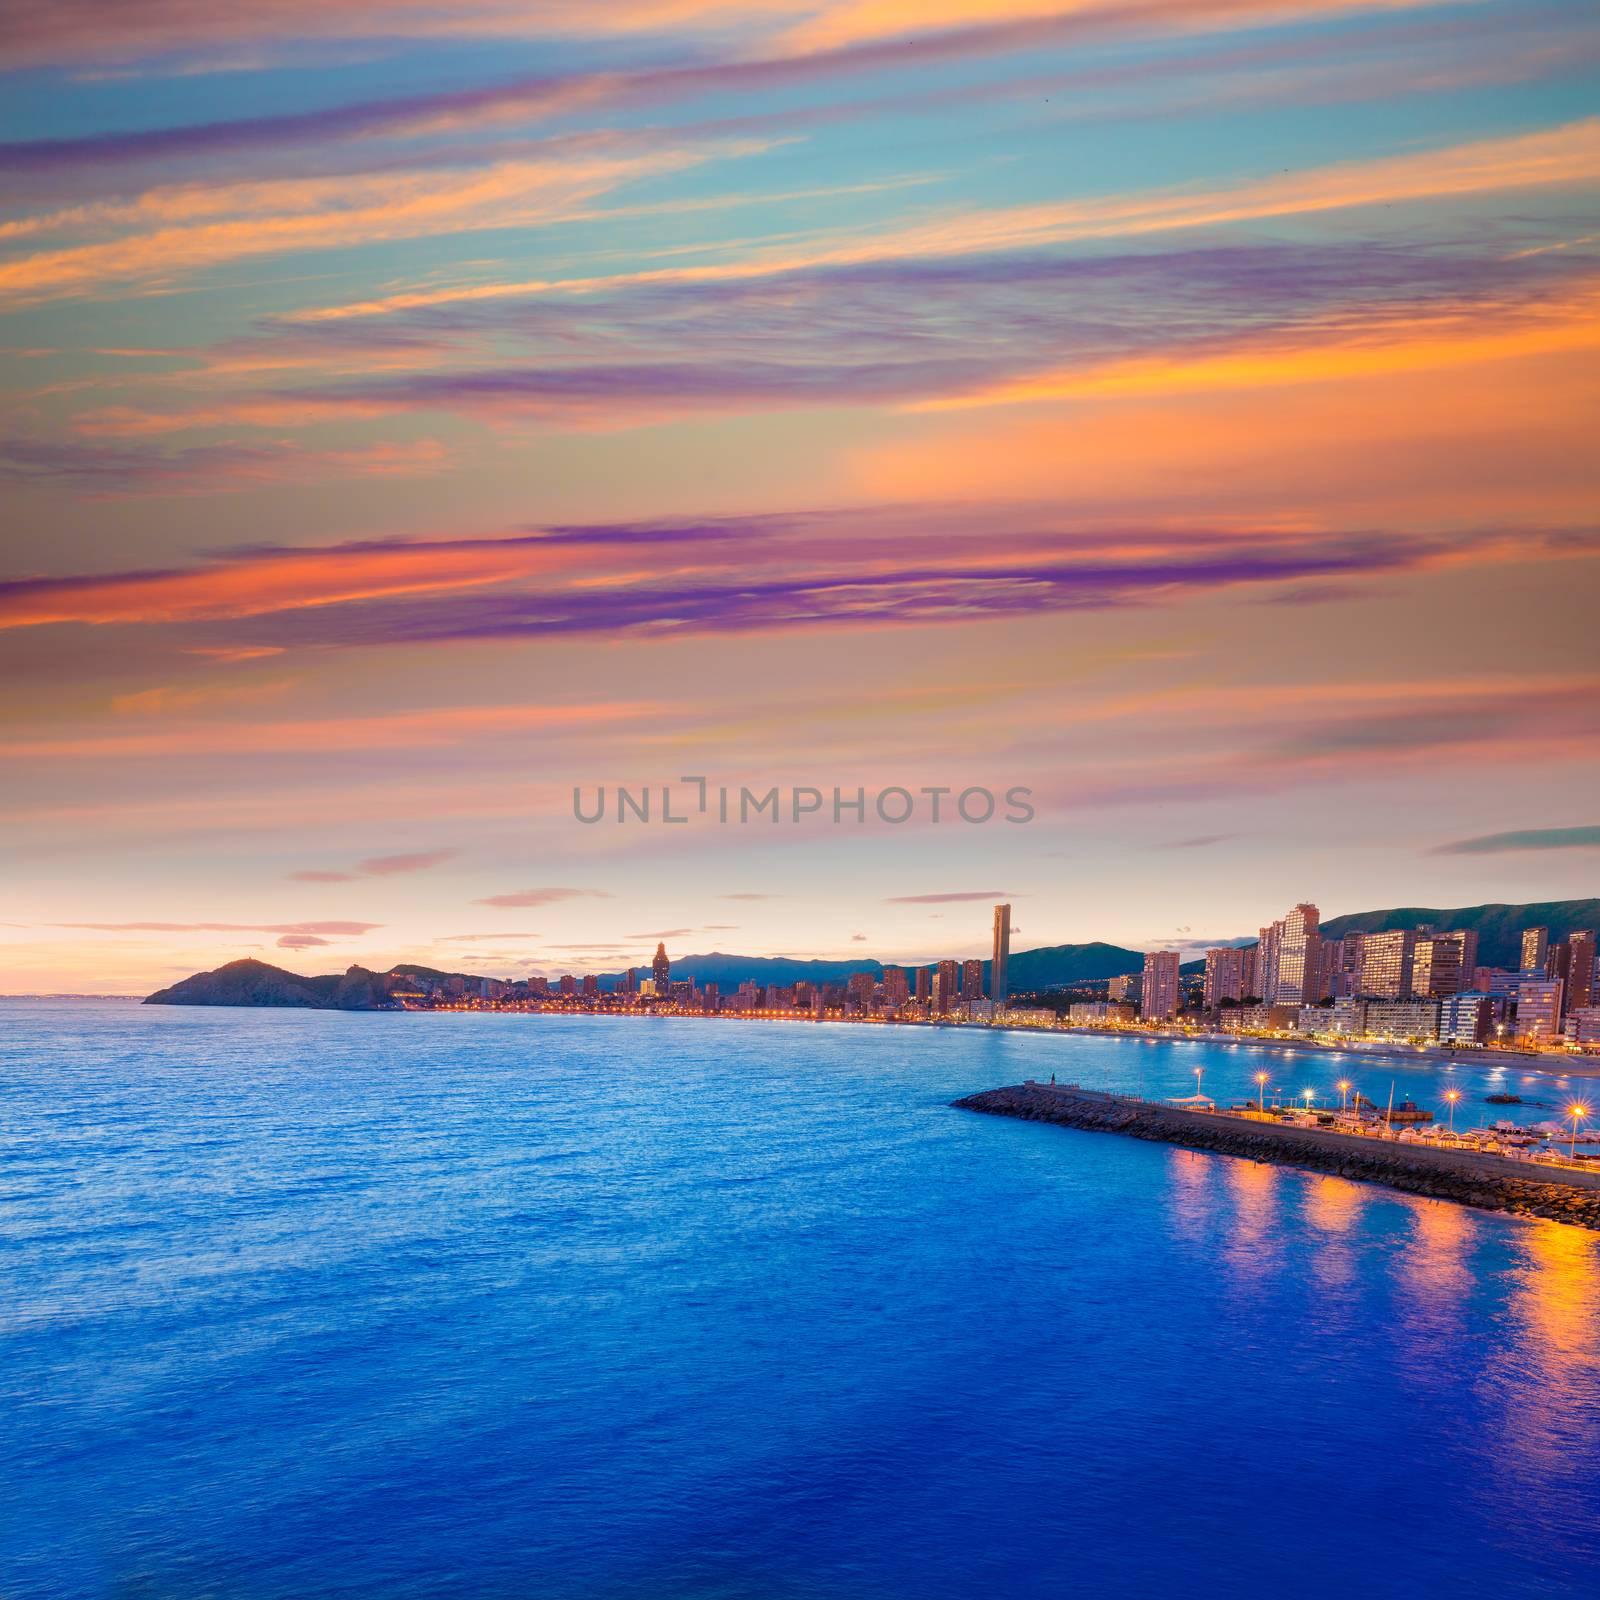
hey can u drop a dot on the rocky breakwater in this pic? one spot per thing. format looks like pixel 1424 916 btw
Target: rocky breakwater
pixel 1492 1183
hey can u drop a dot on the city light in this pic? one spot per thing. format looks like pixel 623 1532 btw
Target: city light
pixel 1577 1111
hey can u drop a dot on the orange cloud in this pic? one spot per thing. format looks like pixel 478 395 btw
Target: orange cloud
pixel 1412 447
pixel 251 586
pixel 453 725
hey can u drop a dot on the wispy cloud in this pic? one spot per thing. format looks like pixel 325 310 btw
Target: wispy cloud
pixel 378 867
pixel 290 929
pixel 521 898
pixel 1582 838
pixel 948 899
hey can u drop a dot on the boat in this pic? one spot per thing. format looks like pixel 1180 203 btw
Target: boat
pixel 1409 1112
pixel 1503 1099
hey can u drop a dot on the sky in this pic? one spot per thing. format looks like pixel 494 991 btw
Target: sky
pixel 413 413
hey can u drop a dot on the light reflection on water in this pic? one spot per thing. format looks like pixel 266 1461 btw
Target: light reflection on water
pixel 424 1306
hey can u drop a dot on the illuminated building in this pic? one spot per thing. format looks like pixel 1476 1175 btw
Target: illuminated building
pixel 946 985
pixel 660 969
pixel 924 984
pixel 1444 964
pixel 1224 976
pixel 1580 969
pixel 1295 958
pixel 1535 948
pixel 1539 1008
pixel 1402 1019
pixel 999 982
pixel 1159 992
pixel 972 980
pixel 1387 960
pixel 1466 1018
pixel 896 990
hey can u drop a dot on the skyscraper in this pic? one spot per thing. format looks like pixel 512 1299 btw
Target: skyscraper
pixel 972 980
pixel 924 984
pixel 1267 960
pixel 1387 961
pixel 1160 991
pixel 1444 963
pixel 895 988
pixel 946 985
pixel 1535 947
pixel 1224 976
pixel 998 984
pixel 1539 1009
pixel 660 968
pixel 1580 969
pixel 1299 967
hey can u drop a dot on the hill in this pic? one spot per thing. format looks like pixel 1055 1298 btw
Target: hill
pixel 1499 927
pixel 256 983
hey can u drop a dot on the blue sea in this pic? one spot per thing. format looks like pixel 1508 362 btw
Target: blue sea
pixel 300 1304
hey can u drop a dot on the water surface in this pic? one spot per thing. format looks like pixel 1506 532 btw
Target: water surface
pixel 303 1304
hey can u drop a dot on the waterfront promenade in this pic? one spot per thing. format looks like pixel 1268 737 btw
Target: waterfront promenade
pixel 1489 1182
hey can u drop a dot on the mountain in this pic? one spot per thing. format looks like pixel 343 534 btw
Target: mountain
pixel 1499 927
pixel 728 972
pixel 1049 967
pixel 1055 966
pixel 255 983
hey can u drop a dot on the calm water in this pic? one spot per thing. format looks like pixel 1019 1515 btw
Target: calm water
pixel 306 1304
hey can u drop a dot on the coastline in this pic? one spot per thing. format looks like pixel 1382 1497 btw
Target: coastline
pixel 1484 1182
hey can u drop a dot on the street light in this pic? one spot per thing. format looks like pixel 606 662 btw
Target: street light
pixel 1198 1072
pixel 1309 1094
pixel 1452 1095
pixel 1577 1111
pixel 1344 1091
pixel 1261 1084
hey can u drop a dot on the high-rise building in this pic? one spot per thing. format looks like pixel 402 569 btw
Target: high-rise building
pixel 1125 986
pixel 661 969
pixel 1298 976
pixel 567 984
pixel 1466 1017
pixel 1444 963
pixel 1535 947
pixel 1267 960
pixel 1250 972
pixel 896 990
pixel 1224 976
pixel 924 984
pixel 972 980
pixel 946 985
pixel 1539 1009
pixel 999 985
pixel 1342 965
pixel 1387 960
pixel 1581 969
pixel 1160 987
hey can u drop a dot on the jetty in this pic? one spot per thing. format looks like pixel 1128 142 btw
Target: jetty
pixel 1468 1177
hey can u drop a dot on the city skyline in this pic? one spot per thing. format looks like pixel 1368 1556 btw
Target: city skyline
pixel 411 419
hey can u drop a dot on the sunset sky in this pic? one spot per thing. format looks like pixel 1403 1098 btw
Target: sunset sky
pixel 1185 410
